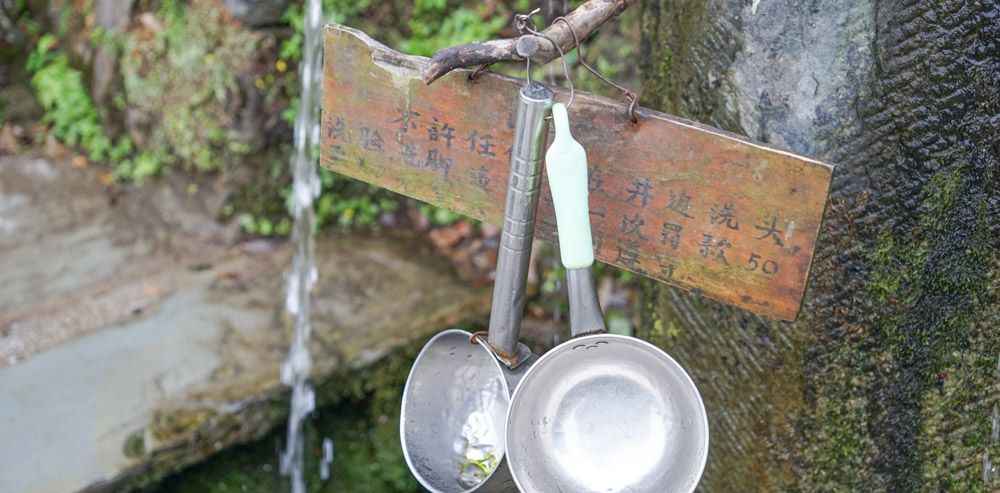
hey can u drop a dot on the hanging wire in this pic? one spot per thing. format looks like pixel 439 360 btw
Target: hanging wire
pixel 524 22
pixel 475 73
pixel 550 13
pixel 629 95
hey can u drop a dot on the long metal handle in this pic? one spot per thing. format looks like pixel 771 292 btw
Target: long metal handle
pixel 530 136
pixel 585 316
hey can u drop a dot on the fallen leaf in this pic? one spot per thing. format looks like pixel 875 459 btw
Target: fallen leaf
pixel 8 141
pixel 449 236
pixel 55 149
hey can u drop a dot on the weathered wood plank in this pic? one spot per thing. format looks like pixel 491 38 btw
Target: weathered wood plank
pixel 673 200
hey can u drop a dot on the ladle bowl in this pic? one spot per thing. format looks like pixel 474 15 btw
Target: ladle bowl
pixel 606 413
pixel 453 417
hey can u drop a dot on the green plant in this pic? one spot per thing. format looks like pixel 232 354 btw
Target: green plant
pixel 24 19
pixel 439 216
pixel 263 225
pixel 433 25
pixel 351 203
pixel 185 77
pixel 431 30
pixel 339 11
pixel 73 118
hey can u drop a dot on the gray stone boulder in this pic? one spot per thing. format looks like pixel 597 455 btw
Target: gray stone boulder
pixel 257 12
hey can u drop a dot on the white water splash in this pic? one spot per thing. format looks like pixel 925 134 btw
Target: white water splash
pixel 301 277
pixel 326 460
pixel 991 474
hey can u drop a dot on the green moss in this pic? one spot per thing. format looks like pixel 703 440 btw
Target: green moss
pixel 659 80
pixel 925 292
pixel 184 77
pixel 135 444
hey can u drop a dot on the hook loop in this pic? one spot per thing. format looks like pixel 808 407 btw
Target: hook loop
pixel 629 95
pixel 524 22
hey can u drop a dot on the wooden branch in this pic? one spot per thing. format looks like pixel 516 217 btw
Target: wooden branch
pixel 679 202
pixel 587 18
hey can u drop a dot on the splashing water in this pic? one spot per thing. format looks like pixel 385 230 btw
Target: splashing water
pixel 302 276
pixel 326 460
pixel 991 473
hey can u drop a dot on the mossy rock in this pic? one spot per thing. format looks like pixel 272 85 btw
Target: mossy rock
pixel 889 379
pixel 200 84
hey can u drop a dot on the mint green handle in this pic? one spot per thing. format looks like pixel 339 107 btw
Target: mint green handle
pixel 566 165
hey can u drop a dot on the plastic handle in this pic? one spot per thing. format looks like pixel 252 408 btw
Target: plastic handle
pixel 566 165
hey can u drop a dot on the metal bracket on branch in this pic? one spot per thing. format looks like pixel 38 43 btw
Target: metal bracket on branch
pixel 584 19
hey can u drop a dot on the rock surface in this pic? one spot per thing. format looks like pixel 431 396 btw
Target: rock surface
pixel 889 379
pixel 113 17
pixel 257 12
pixel 133 337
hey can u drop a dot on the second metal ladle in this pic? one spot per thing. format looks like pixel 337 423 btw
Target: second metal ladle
pixel 600 412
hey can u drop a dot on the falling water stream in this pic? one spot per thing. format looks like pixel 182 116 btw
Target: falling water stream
pixel 301 277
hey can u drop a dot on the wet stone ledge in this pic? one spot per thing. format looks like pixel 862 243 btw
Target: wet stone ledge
pixel 140 336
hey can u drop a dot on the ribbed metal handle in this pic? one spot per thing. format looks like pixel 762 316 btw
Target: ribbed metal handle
pixel 518 233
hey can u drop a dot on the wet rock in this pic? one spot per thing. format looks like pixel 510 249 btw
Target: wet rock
pixel 19 103
pixel 257 12
pixel 112 16
pixel 117 356
pixel 903 98
pixel 8 141
pixel 8 26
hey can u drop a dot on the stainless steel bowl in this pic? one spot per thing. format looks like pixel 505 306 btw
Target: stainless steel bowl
pixel 453 417
pixel 606 413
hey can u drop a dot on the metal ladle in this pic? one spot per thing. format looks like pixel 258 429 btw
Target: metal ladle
pixel 453 416
pixel 600 412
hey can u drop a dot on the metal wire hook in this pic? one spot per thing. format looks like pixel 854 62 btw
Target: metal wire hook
pixel 522 22
pixel 633 99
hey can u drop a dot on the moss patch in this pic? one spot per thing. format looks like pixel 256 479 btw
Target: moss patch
pixel 182 75
pixel 913 378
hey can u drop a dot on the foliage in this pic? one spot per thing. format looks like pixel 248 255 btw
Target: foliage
pixel 434 25
pixel 74 119
pixel 440 217
pixel 184 77
pixel 19 25
pixel 339 11
pixel 351 203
